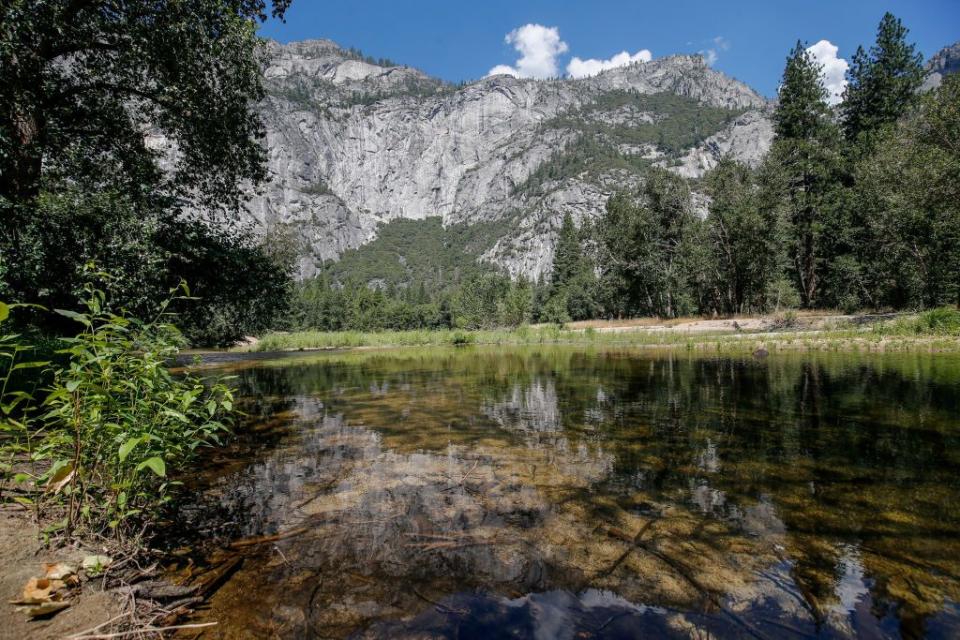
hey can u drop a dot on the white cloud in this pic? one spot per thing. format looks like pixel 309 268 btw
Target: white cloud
pixel 582 68
pixel 539 47
pixel 712 54
pixel 834 69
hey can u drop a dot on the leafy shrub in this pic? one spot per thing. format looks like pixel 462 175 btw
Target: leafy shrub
pixel 461 338
pixel 781 294
pixel 555 310
pixel 112 424
pixel 785 320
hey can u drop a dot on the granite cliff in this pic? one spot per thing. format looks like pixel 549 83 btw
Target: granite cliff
pixel 353 144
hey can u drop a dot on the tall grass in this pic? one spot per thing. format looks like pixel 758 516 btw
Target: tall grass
pixel 938 329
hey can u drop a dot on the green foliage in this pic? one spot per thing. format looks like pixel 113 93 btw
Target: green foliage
pixel 238 287
pixel 781 294
pixel 115 426
pixel 909 191
pixel 417 274
pixel 586 157
pixel 555 311
pixel 516 307
pixel 646 247
pixel 188 70
pixel 572 292
pixel 678 124
pixel 406 253
pixel 803 169
pixel 94 99
pixel 742 240
pixel 944 320
pixel 480 301
pixel 567 257
pixel 882 83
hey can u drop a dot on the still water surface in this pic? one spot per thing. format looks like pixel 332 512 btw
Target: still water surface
pixel 566 492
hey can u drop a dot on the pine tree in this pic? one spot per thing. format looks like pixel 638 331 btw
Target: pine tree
pixel 883 82
pixel 805 155
pixel 802 112
pixel 568 256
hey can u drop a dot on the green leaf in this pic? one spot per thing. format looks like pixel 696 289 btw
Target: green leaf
pixel 72 385
pixel 127 447
pixel 155 464
pixel 31 365
pixel 73 315
pixel 176 414
pixel 4 311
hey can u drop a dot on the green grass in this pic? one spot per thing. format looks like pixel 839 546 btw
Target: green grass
pixel 903 335
pixel 944 321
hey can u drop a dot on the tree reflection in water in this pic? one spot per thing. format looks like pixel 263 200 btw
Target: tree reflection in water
pixel 566 493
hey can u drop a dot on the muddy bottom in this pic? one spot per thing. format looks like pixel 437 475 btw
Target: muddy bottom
pixel 566 492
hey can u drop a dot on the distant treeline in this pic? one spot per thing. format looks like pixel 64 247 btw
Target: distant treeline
pixel 855 207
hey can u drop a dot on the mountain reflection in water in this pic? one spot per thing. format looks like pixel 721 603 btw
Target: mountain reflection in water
pixel 564 492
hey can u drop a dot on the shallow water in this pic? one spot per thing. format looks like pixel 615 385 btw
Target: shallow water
pixel 568 492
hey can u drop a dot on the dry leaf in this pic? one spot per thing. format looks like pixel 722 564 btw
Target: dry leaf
pixel 58 571
pixel 39 590
pixel 60 479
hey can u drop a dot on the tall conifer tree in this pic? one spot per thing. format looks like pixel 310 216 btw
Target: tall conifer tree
pixel 883 81
pixel 804 152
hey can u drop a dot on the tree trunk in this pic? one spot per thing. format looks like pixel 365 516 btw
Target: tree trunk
pixel 21 182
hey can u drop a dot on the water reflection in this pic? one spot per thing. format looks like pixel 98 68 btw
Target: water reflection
pixel 567 493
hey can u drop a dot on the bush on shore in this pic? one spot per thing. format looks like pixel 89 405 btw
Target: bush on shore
pixel 96 451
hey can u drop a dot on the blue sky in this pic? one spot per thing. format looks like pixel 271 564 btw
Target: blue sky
pixel 749 39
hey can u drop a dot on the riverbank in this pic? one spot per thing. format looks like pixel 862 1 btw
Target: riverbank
pixel 23 557
pixel 933 331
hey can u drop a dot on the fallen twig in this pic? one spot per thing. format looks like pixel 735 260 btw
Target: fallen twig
pixel 132 632
pixel 250 542
pixel 99 626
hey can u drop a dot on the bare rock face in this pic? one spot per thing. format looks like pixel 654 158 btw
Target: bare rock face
pixel 746 140
pixel 942 63
pixel 352 144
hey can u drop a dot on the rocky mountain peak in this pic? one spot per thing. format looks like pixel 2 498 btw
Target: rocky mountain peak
pixel 354 143
pixel 942 63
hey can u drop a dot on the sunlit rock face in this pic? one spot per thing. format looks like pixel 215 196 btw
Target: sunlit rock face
pixel 352 144
pixel 943 63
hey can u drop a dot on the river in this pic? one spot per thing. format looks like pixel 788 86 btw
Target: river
pixel 573 492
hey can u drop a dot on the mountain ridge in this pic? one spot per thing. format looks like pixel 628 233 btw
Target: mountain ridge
pixel 353 144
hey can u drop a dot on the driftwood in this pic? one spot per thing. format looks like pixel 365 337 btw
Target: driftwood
pixel 250 542
pixel 214 579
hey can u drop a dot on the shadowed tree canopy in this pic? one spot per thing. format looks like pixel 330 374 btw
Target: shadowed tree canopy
pixel 116 116
pixel 89 86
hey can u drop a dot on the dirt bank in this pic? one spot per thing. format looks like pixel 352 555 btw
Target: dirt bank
pixel 21 557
